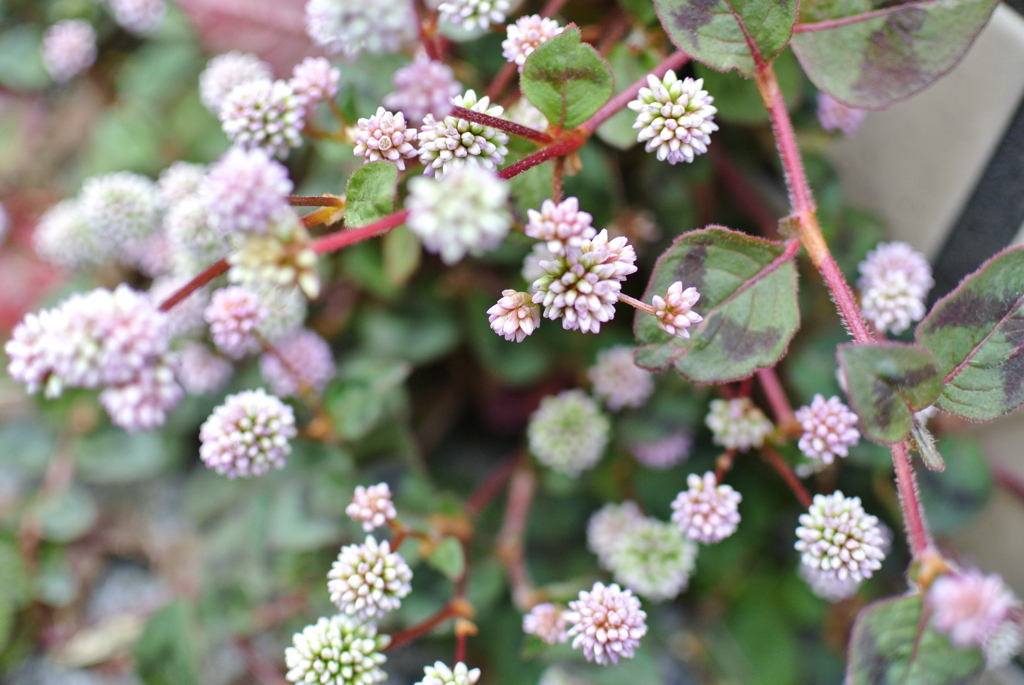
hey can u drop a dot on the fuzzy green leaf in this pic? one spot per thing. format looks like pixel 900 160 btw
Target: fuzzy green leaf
pixel 729 34
pixel 748 301
pixel 567 80
pixel 886 384
pixel 890 646
pixel 166 654
pixel 872 53
pixel 370 194
pixel 977 333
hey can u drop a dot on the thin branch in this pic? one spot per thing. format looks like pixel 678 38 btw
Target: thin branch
pixel 776 395
pixel 313 201
pixel 673 61
pixel 780 465
pixel 492 485
pixel 350 236
pixel 906 484
pixel 213 271
pixel 510 539
pixel 570 141
pixel 503 125
pixel 408 635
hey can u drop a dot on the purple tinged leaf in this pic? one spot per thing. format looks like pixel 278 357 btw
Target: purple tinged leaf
pixel 729 34
pixel 887 383
pixel 748 290
pixel 872 53
pixel 893 644
pixel 977 334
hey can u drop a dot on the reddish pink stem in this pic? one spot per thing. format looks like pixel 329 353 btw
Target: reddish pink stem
pixel 776 395
pixel 502 125
pixel 563 147
pixel 349 236
pixel 907 487
pixel 195 284
pixel 782 468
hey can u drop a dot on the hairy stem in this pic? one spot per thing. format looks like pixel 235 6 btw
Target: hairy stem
pixel 780 465
pixel 214 270
pixel 906 485
pixel 313 201
pixel 408 635
pixel 568 142
pixel 776 395
pixel 502 125
pixel 350 236
pixel 510 539
pixel 804 210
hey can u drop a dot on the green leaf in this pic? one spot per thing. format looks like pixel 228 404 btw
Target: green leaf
pixel 872 53
pixel 359 398
pixel 402 253
pixel 889 647
pixel 448 558
pixel 291 528
pixel 21 65
pixel 68 516
pixel 370 194
pixel 729 34
pixel 954 497
pixel 165 654
pixel 567 80
pixel 738 99
pixel 748 301
pixel 886 384
pixel 113 456
pixel 976 333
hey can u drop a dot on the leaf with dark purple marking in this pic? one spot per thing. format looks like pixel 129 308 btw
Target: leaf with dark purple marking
pixel 872 53
pixel 977 333
pixel 729 34
pixel 748 301
pixel 893 644
pixel 886 384
pixel 567 80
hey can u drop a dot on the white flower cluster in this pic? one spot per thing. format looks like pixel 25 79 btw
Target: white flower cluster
pixel 69 48
pixel 514 316
pixel 654 559
pixel 674 312
pixel 547 622
pixel 351 27
pixel 976 610
pixel 607 623
pixel 526 35
pixel 829 429
pixel 441 674
pixel 618 380
pixel 568 432
pixel 452 142
pixel 369 580
pixel 247 435
pixel 337 651
pixel 372 506
pixel 737 424
pixel 894 284
pixel 384 136
pixel 675 118
pixel 707 511
pixel 264 114
pixel 474 13
pixel 837 537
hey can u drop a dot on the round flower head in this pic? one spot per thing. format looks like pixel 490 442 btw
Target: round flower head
pixel 835 116
pixel 453 142
pixel 675 117
pixel 440 674
pixel 607 623
pixel 350 27
pixel 663 453
pixel 179 181
pixel 200 371
pixel 654 560
pixel 369 580
pixel 286 310
pixel 372 506
pixel 337 651
pixel 894 283
pixel 314 80
pixel 138 16
pixel 561 226
pixel 547 622
pixel 245 192
pixel 100 338
pixel 226 72
pixel 303 353
pixel 143 402
pixel 618 381
pixel 526 35
pixel 233 315
pixel 608 528
pixel 675 312
pixel 827 585
pixel 829 429
pixel 737 424
pixel 970 607
pixel 194 243
pixel 120 207
pixel 62 237
pixel 423 87
pixel 568 432
pixel 282 258
pixel 515 316
pixel 474 13
pixel 247 435
pixel 465 212
pixel 263 114
pixel 69 48
pixel 839 538
pixel 384 136
pixel 582 286
pixel 706 511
